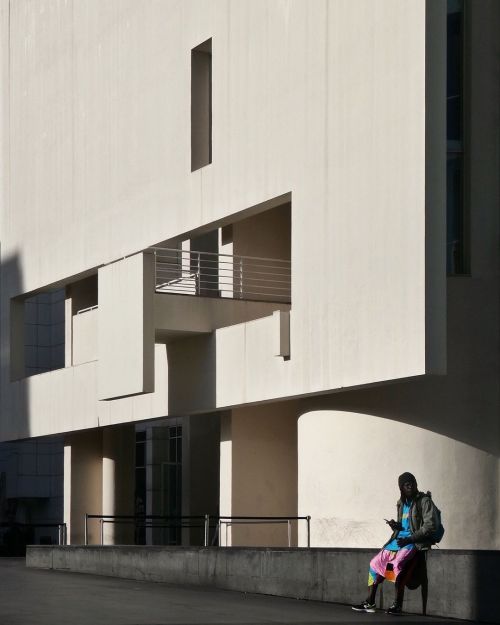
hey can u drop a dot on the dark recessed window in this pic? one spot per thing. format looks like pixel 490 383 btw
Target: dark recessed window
pixel 44 332
pixel 201 105
pixel 457 261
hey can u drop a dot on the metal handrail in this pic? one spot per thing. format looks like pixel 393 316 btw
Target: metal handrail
pixel 217 521
pixel 84 310
pixel 178 251
pixel 62 530
pixel 191 272
pixel 228 521
pixel 139 520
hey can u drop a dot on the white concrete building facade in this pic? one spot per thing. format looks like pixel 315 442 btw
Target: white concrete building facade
pixel 275 226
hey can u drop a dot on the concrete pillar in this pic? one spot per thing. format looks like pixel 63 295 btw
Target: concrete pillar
pixel 258 472
pixel 82 484
pixel 226 265
pixel 200 471
pixel 68 329
pixel 118 464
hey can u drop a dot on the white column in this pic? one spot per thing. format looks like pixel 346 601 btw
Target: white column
pixel 68 329
pixel 82 484
pixel 258 472
pixel 226 265
pixel 118 462
pixel 226 476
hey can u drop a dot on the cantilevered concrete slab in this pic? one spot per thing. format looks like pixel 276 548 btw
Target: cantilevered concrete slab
pixel 179 315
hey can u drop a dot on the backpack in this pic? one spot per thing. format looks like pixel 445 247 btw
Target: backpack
pixel 437 536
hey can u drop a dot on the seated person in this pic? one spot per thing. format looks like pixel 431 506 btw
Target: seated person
pixel 411 533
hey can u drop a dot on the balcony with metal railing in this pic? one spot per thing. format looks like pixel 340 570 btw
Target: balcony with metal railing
pixel 187 272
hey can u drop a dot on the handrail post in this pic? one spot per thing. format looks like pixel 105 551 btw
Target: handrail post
pixel 199 272
pixel 207 521
pixel 308 519
pixel 65 534
pixel 155 269
pixel 101 521
pixel 241 277
pixel 86 529
pixel 59 534
pixel 289 524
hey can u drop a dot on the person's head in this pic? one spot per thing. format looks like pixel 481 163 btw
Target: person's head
pixel 407 485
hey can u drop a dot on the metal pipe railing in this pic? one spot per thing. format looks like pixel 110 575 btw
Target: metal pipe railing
pixel 145 520
pixel 190 272
pixel 153 521
pixel 88 309
pixel 228 521
pixel 62 533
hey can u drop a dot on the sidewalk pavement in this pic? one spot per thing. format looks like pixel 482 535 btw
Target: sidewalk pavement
pixel 40 597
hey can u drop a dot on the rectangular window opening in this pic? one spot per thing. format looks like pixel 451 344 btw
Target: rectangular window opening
pixel 37 333
pixel 201 105
pixel 457 258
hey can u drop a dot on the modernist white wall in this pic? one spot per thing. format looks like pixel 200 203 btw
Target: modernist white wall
pixel 125 327
pixel 327 102
pixel 353 460
pixel 324 100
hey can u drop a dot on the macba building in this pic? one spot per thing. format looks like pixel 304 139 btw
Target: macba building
pixel 249 268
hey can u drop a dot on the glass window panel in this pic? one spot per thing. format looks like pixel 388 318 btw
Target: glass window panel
pixel 172 448
pixel 140 454
pixel 140 482
pixel 455 215
pixel 454 71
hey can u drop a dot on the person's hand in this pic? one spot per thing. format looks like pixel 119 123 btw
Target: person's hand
pixel 394 525
pixel 402 542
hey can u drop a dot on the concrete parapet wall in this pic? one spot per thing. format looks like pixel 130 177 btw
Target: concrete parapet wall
pixel 462 584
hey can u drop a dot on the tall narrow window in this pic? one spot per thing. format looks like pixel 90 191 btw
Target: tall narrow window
pixel 201 105
pixel 456 227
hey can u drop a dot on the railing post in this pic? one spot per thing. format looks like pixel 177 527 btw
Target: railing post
pixel 241 278
pixel 155 269
pixel 308 519
pixel 289 524
pixel 65 534
pixel 101 521
pixel 207 525
pixel 59 534
pixel 86 529
pixel 198 273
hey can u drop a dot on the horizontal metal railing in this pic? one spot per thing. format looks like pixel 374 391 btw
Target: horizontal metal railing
pixel 62 534
pixel 144 521
pixel 185 522
pixel 189 272
pixel 229 521
pixel 88 309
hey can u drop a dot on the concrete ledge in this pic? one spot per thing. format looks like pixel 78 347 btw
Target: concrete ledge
pixel 462 584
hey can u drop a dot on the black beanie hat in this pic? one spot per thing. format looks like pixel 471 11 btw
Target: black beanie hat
pixel 406 477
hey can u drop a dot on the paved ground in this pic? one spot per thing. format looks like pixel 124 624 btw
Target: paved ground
pixel 37 597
